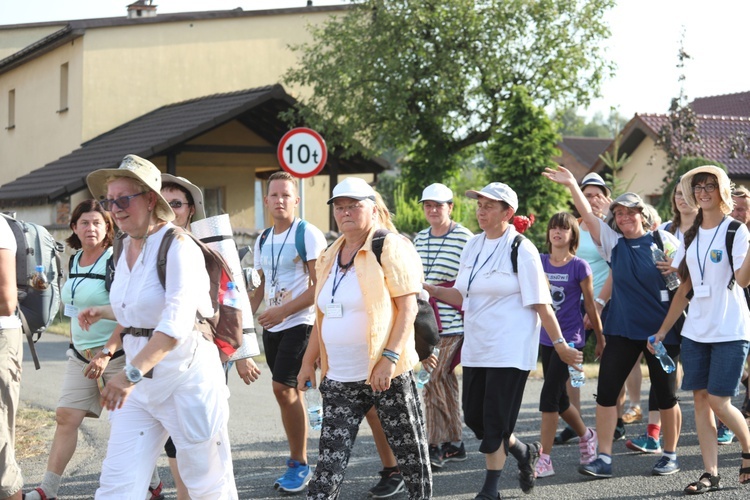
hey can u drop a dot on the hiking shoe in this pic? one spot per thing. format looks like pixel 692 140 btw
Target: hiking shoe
pixel 527 469
pixel 156 493
pixel 565 436
pixel 665 466
pixel 632 415
pixel 391 482
pixel 597 469
pixel 295 478
pixel 544 467
pixel 587 447
pixel 436 456
pixel 619 433
pixel 724 435
pixel 644 444
pixel 453 453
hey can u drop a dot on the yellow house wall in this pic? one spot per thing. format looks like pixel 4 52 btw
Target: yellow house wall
pixel 15 39
pixel 42 134
pixel 130 70
pixel 644 172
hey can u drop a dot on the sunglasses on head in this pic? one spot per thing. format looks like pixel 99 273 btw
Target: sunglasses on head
pixel 178 204
pixel 123 202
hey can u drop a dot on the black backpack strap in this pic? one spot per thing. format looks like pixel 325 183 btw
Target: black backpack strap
pixel 657 239
pixel 514 251
pixel 263 237
pixel 378 238
pixel 731 233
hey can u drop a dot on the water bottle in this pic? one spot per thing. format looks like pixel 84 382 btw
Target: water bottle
pixel 577 379
pixel 39 280
pixel 672 279
pixel 661 354
pixel 314 407
pixel 423 376
pixel 231 296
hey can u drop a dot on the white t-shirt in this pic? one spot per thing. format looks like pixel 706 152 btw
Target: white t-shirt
pixel 722 316
pixel 501 329
pixel 345 338
pixel 285 272
pixel 8 242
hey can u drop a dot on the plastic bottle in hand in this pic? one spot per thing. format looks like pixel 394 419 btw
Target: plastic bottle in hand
pixel 661 354
pixel 39 279
pixel 577 379
pixel 672 279
pixel 423 376
pixel 314 407
pixel 231 296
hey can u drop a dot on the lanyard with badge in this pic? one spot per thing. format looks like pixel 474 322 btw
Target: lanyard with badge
pixel 474 270
pixel 71 311
pixel 335 309
pixel 437 254
pixel 275 265
pixel 705 290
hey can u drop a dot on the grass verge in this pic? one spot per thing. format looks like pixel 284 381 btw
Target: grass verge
pixel 34 428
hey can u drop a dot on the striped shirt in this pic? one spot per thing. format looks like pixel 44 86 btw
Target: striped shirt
pixel 440 257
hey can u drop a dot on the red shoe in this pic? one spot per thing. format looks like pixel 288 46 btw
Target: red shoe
pixel 156 493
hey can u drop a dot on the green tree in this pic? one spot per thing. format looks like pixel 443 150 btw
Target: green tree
pixel 433 77
pixel 520 151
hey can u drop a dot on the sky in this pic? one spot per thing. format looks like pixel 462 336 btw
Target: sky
pixel 644 44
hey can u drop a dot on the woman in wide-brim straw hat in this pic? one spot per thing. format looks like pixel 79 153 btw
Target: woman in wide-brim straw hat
pixel 173 383
pixel 716 333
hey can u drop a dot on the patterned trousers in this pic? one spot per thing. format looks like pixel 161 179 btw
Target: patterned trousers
pixel 399 410
pixel 441 397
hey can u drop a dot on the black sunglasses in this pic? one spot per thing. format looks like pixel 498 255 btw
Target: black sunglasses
pixel 178 203
pixel 123 202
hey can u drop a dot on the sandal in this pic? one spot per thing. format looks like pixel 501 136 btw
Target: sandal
pixel 701 487
pixel 745 470
pixel 41 494
pixel 156 493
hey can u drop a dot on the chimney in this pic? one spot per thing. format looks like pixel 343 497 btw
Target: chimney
pixel 309 3
pixel 141 8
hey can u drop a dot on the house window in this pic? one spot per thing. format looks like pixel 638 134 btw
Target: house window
pixel 213 200
pixel 63 88
pixel 11 109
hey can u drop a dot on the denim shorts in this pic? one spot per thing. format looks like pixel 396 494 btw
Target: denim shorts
pixel 716 367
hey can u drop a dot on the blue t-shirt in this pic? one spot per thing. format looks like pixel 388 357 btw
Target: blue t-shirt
pixel 565 286
pixel 639 295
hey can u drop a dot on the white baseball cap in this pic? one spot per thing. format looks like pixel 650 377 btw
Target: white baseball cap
pixel 437 192
pixel 496 191
pixel 354 188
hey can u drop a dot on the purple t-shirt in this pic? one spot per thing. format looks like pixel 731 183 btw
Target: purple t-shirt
pixel 565 285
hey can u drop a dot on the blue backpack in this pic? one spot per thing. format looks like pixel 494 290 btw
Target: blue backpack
pixel 299 240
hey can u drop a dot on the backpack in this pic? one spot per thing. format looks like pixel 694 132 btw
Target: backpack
pixel 107 277
pixel 514 251
pixel 224 328
pixel 299 240
pixel 36 308
pixel 426 332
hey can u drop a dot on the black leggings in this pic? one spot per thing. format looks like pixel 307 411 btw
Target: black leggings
pixel 619 357
pixel 554 395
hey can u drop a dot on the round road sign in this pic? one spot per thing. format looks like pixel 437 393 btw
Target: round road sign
pixel 302 152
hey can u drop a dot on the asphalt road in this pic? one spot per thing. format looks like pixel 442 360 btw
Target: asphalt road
pixel 259 449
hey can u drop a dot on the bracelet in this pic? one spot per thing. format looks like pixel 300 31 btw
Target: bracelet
pixel 391 356
pixel 601 302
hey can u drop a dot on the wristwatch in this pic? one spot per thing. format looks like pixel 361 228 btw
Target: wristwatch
pixel 106 352
pixel 133 374
pixel 561 340
pixel 601 302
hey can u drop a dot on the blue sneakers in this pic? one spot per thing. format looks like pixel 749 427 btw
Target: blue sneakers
pixel 597 469
pixel 644 444
pixel 724 435
pixel 295 478
pixel 665 466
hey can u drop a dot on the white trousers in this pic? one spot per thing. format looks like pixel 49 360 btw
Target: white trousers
pixel 195 415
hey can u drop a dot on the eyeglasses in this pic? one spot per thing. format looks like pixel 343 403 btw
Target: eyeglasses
pixel 709 188
pixel 678 195
pixel 123 202
pixel 178 204
pixel 340 209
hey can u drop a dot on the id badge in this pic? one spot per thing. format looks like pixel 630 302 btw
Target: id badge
pixel 272 291
pixel 702 291
pixel 664 295
pixel 334 310
pixel 71 311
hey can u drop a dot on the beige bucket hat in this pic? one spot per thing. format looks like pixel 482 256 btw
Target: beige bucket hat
pixel 195 192
pixel 133 167
pixel 725 186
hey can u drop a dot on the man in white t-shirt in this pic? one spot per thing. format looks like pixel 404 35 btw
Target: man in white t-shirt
pixel 11 354
pixel 287 290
